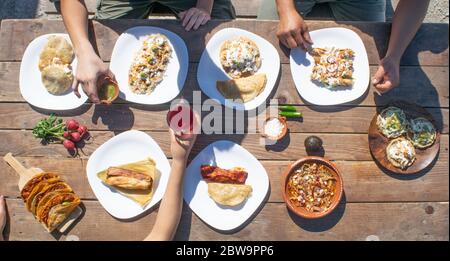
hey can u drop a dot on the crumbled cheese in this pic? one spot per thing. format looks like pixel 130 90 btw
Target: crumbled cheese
pixel 273 128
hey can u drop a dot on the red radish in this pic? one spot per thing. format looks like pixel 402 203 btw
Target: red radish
pixel 82 130
pixel 72 124
pixel 66 135
pixel 76 136
pixel 68 144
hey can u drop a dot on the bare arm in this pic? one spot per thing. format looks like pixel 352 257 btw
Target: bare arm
pixel 90 66
pixel 292 29
pixel 2 216
pixel 407 19
pixel 169 213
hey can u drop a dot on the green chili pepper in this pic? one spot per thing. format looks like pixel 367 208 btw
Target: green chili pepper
pixel 287 108
pixel 290 114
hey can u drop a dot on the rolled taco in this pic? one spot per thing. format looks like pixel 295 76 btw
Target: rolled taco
pixel 57 208
pixel 26 190
pixel 51 187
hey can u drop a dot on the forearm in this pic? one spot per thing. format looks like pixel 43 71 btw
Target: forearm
pixel 75 17
pixel 205 4
pixel 285 7
pixel 171 206
pixel 407 19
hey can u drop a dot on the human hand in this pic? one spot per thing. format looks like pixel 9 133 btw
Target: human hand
pixel 293 31
pixel 194 17
pixel 387 76
pixel 2 216
pixel 180 148
pixel 90 67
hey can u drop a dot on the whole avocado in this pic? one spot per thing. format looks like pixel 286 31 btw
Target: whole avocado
pixel 313 143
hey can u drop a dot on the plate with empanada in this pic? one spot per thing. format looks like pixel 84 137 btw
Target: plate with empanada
pixel 225 185
pixel 128 174
pixel 238 69
pixel 47 72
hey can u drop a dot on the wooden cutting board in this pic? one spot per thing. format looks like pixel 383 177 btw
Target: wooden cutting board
pixel 25 175
pixel 378 142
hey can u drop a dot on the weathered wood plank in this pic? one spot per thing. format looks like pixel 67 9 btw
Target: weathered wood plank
pixel 411 221
pixel 429 84
pixel 335 119
pixel 16 34
pixel 243 8
pixel 364 181
pixel 337 146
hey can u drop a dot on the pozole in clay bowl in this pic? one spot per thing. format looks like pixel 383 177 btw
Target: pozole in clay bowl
pixel 336 198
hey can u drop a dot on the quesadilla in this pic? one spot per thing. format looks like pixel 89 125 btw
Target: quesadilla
pixel 229 194
pixel 137 180
pixel 242 89
pixel 421 133
pixel 55 207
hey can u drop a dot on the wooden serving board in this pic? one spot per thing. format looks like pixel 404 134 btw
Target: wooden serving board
pixel 378 142
pixel 25 175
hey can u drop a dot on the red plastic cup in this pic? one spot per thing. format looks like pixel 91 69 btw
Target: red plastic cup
pixel 182 120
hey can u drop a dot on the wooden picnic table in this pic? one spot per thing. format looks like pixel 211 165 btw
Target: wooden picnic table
pixel 376 205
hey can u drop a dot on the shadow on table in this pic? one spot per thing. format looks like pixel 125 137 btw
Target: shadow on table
pixel 57 234
pixel 117 117
pixel 321 224
pixel 184 228
pixel 408 176
pixel 66 113
pixel 183 233
pixel 415 86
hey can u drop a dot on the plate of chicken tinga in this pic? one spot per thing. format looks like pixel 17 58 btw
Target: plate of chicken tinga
pixel 224 185
pixel 128 174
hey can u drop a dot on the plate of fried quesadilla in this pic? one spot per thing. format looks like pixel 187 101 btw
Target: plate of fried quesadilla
pixel 49 198
pixel 47 71
pixel 128 174
pixel 238 69
pixel 334 71
pixel 225 184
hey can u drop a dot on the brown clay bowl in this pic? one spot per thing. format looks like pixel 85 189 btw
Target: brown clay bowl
pixel 102 83
pixel 300 211
pixel 283 132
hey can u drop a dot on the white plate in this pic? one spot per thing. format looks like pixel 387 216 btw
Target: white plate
pixel 225 154
pixel 31 87
pixel 210 70
pixel 125 49
pixel 302 64
pixel 127 147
